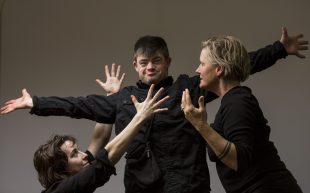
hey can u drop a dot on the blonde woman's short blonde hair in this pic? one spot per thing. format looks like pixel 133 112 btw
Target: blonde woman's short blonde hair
pixel 228 51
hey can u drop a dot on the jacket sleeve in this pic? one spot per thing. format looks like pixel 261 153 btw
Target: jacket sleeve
pixel 89 178
pixel 266 57
pixel 98 108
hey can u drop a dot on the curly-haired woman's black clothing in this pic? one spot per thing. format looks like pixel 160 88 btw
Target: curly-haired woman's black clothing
pixel 96 174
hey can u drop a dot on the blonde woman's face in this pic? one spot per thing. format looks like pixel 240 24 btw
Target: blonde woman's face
pixel 207 71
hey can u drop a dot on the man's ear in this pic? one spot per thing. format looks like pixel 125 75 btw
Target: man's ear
pixel 168 60
pixel 135 65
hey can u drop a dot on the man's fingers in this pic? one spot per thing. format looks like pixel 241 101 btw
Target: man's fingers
pixel 303 42
pixel 24 92
pixel 5 110
pixel 8 110
pixel 284 31
pixel 300 55
pixel 118 71
pixel 299 36
pixel 100 82
pixel 122 78
pixel 107 72
pixel 113 70
pixel 302 47
pixel 9 102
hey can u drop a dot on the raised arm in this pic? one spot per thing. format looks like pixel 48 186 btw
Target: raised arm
pixel 267 56
pixel 102 132
pixel 76 107
pixel 117 147
pixel 98 108
pixel 224 149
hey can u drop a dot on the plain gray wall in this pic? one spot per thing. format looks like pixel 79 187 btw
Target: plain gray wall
pixel 59 47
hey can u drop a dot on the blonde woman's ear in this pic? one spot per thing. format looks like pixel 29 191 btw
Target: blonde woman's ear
pixel 220 70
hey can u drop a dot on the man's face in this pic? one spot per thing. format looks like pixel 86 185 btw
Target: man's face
pixel 209 73
pixel 152 69
pixel 76 159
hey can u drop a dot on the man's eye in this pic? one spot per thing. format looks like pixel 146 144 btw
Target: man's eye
pixel 143 63
pixel 157 61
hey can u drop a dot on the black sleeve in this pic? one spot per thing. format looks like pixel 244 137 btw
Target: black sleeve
pixel 266 57
pixel 238 120
pixel 90 156
pixel 98 108
pixel 239 128
pixel 89 178
pixel 241 120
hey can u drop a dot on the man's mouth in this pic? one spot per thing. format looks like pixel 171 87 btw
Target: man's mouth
pixel 153 74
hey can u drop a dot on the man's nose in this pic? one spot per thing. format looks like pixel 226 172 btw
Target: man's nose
pixel 150 65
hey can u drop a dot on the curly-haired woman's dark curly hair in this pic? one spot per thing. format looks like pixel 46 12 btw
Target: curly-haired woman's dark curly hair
pixel 51 162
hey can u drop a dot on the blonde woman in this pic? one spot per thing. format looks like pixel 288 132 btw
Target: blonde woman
pixel 238 140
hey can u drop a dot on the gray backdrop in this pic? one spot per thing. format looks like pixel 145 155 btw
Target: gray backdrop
pixel 59 47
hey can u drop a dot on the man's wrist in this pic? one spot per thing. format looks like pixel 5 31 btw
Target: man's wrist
pixel 29 103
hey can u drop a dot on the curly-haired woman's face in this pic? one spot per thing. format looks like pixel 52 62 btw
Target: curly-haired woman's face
pixel 76 158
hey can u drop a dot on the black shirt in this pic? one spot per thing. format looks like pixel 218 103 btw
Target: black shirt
pixel 241 121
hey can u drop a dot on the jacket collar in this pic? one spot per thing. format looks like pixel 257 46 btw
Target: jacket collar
pixel 163 83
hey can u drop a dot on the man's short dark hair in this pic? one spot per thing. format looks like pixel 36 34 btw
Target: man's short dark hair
pixel 51 162
pixel 149 45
